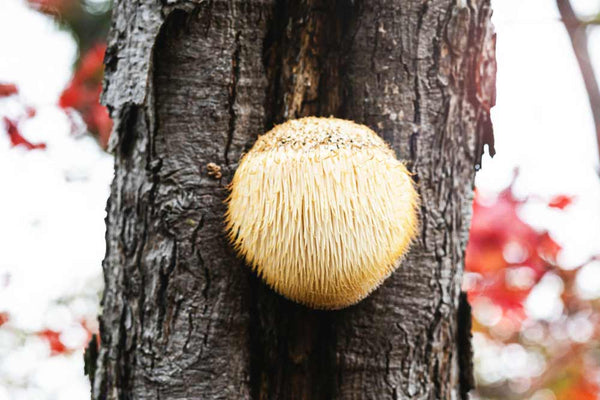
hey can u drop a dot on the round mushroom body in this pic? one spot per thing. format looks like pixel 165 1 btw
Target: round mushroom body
pixel 322 210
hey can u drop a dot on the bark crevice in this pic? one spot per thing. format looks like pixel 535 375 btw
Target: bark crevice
pixel 235 76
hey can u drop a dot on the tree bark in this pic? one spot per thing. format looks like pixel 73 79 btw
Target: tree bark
pixel 194 82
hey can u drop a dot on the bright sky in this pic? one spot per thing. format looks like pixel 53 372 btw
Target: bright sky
pixel 52 207
pixel 51 213
pixel 543 122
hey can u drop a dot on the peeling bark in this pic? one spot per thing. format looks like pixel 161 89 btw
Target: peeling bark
pixel 192 83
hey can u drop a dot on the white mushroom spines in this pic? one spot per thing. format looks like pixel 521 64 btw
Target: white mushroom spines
pixel 322 210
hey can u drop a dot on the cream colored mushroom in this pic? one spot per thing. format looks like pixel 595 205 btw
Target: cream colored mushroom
pixel 322 210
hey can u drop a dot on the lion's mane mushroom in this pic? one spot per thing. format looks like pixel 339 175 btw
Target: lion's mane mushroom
pixel 322 210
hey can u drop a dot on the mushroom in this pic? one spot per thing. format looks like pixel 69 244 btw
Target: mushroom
pixel 322 210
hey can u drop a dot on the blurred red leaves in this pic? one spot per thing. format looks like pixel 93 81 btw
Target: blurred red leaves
pixel 573 383
pixel 580 390
pixel 57 346
pixel 83 94
pixel 53 339
pixel 505 259
pixel 12 129
pixel 560 202
pixel 507 254
pixel 3 318
pixel 16 139
pixel 8 89
pixel 53 7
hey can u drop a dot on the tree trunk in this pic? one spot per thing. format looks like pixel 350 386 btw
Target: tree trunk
pixel 194 82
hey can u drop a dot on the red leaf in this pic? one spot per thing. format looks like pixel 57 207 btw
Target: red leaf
pixel 53 7
pixel 560 202
pixel 3 318
pixel 500 241
pixel 101 123
pixel 495 288
pixel 91 66
pixel 8 89
pixel 17 139
pixel 83 94
pixel 53 338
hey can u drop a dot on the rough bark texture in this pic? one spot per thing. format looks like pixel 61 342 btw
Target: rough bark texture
pixel 194 82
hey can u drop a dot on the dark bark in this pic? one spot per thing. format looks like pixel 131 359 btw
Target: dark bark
pixel 193 83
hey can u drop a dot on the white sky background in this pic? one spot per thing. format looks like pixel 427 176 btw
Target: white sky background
pixel 543 122
pixel 51 213
pixel 52 202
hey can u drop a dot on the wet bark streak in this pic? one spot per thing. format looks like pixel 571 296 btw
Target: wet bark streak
pixel 191 83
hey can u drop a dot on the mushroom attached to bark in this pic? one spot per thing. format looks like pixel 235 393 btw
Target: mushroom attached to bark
pixel 322 210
